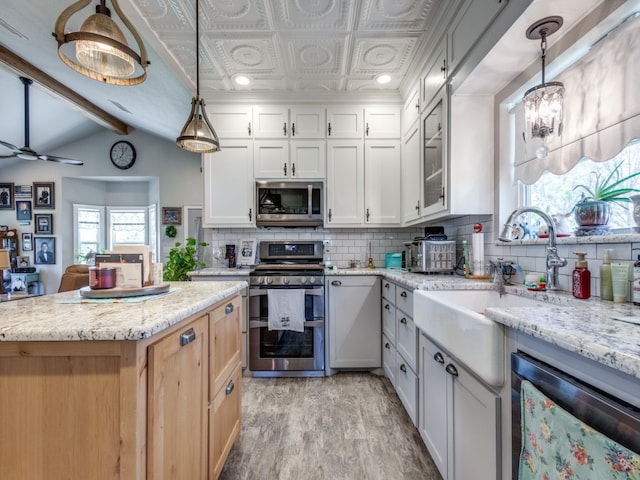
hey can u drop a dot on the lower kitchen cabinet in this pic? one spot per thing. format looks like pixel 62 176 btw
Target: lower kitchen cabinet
pixel 124 410
pixel 354 324
pixel 459 417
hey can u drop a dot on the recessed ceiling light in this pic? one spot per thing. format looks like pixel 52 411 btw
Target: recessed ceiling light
pixel 382 79
pixel 242 80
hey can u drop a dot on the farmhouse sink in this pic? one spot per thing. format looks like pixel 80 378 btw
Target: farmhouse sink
pixel 455 320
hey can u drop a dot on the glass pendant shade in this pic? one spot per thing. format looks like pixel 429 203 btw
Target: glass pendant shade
pixel 198 135
pixel 99 56
pixel 543 109
pixel 99 50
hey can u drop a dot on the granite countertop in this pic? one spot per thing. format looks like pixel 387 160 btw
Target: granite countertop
pixel 218 272
pixel 49 318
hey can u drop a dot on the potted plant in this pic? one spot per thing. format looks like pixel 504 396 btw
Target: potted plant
pixel 594 208
pixel 182 259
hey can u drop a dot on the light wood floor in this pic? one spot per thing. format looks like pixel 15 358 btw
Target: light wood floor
pixel 350 426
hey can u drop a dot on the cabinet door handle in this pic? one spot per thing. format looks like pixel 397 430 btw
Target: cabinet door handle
pixel 443 69
pixel 403 367
pixel 367 215
pixel 438 358
pixel 387 307
pixel 403 320
pixel 229 388
pixel 418 206
pixel 329 130
pixel 403 294
pixel 336 283
pixel 442 196
pixel 187 337
pixel 250 214
pixel 330 215
pixel 293 129
pixel 284 128
pixel 367 129
pixel 451 370
pixel 228 309
pixel 249 129
pixel 293 169
pixel 387 286
pixel 387 346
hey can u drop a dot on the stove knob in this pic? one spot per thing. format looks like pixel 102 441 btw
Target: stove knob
pixel 303 280
pixel 285 281
pixel 312 280
pixel 259 280
pixel 269 280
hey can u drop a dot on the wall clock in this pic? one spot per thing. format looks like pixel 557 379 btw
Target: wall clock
pixel 123 155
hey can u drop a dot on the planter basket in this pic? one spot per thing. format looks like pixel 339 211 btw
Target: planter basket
pixel 592 214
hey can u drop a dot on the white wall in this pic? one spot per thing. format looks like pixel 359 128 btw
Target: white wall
pixel 162 174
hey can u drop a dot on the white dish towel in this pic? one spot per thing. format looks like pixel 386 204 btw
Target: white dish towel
pixel 286 309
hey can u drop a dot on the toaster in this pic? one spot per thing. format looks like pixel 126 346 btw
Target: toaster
pixel 425 255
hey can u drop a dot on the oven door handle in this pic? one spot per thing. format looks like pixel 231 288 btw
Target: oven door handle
pixel 264 324
pixel 256 292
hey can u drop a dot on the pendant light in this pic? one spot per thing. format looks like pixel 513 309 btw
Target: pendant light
pixel 99 50
pixel 543 103
pixel 198 135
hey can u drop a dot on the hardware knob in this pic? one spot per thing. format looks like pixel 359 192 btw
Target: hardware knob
pixel 303 280
pixel 269 280
pixel 312 279
pixel 285 281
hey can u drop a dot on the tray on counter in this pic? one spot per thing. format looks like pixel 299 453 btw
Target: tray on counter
pixel 87 292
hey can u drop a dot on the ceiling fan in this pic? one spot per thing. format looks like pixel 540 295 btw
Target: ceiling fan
pixel 26 152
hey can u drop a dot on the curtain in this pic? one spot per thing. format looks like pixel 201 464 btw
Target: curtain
pixel 601 108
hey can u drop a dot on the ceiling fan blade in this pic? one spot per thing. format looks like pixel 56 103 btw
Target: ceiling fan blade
pixel 53 158
pixel 8 156
pixel 11 147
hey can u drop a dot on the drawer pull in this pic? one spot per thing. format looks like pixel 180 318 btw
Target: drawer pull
pixel 387 346
pixel 387 307
pixel 403 294
pixel 229 389
pixel 403 320
pixel 336 283
pixel 228 309
pixel 386 285
pixel 403 367
pixel 438 358
pixel 187 337
pixel 451 370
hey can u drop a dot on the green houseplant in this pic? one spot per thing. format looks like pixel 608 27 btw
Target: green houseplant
pixel 182 259
pixel 594 208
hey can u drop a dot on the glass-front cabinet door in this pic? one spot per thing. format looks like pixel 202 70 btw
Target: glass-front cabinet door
pixel 435 136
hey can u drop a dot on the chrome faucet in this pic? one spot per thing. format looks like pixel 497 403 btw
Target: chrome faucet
pixel 554 261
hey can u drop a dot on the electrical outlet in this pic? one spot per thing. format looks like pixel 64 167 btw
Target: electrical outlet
pixel 327 245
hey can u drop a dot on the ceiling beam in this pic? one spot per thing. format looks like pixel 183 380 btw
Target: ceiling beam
pixel 61 91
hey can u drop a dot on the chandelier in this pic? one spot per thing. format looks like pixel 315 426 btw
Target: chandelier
pixel 543 103
pixel 198 135
pixel 99 50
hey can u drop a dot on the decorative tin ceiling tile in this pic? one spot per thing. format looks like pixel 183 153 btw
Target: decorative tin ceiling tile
pixel 389 55
pixel 320 15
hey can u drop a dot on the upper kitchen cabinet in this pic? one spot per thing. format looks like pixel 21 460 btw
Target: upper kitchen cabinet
pixel 471 21
pixel 383 122
pixel 274 121
pixel 231 121
pixel 410 194
pixel 434 156
pixel 344 122
pixel 382 182
pixel 229 185
pixel 435 75
pixel 411 111
pixel 283 159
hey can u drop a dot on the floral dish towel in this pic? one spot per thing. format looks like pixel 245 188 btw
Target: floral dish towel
pixel 556 445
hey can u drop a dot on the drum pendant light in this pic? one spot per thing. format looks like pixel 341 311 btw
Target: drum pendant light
pixel 198 135
pixel 543 103
pixel 99 50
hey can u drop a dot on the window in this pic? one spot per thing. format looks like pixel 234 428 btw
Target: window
pixel 556 195
pixel 99 228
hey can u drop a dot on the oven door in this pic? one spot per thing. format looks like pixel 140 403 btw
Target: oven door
pixel 286 352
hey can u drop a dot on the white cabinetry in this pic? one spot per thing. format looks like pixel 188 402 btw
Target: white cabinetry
pixel 400 345
pixel 382 182
pixel 382 122
pixel 410 193
pixel 344 122
pixel 275 121
pixel 435 75
pixel 228 185
pixel 307 122
pixel 354 325
pixel 231 121
pixel 411 111
pixel 459 417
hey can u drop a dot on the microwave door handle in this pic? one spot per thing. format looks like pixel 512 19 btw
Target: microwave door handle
pixel 309 200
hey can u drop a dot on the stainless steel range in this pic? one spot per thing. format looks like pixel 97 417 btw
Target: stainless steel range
pixel 297 268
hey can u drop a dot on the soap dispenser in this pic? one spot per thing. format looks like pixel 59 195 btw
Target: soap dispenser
pixel 581 277
pixel 606 283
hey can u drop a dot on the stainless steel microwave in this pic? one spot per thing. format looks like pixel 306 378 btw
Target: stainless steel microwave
pixel 289 204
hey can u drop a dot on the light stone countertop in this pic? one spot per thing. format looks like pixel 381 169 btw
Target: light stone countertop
pixel 45 318
pixel 220 272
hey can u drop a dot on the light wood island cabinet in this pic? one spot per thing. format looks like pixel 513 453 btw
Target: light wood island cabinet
pixel 162 407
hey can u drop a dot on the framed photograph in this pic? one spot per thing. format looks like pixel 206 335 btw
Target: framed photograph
pixel 23 210
pixel 171 216
pixel 45 250
pixel 247 253
pixel 27 242
pixel 43 223
pixel 43 195
pixel 24 261
pixel 6 196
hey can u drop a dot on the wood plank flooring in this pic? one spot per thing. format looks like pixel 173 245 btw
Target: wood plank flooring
pixel 345 427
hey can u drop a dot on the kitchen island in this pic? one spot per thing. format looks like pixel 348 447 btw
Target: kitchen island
pixel 128 389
